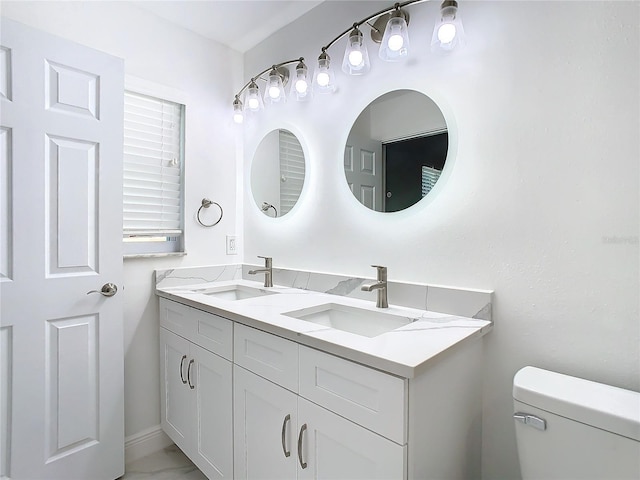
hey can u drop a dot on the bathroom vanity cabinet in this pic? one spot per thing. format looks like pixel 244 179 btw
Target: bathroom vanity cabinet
pixel 244 403
pixel 196 392
pixel 281 433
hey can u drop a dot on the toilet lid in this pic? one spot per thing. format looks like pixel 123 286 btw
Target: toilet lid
pixel 602 406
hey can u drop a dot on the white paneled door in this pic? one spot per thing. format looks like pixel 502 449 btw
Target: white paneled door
pixel 60 227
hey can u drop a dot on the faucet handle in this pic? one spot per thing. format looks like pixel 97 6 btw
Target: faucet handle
pixel 267 260
pixel 382 272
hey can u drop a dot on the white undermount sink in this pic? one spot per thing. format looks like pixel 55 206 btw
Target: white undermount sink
pixel 234 292
pixel 360 321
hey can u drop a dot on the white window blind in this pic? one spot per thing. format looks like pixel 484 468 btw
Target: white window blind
pixel 291 170
pixel 429 178
pixel 153 174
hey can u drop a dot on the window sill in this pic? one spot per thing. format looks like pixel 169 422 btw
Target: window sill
pixel 154 255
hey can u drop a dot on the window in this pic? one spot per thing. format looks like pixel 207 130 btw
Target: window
pixel 291 170
pixel 429 178
pixel 153 219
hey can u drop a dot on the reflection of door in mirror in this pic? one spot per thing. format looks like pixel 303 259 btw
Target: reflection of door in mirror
pixel 411 167
pixel 363 168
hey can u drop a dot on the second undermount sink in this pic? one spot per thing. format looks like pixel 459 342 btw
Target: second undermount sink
pixel 234 292
pixel 360 321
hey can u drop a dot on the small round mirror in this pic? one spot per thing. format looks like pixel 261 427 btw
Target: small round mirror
pixel 396 151
pixel 277 173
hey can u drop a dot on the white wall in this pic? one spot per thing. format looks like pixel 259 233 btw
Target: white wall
pixel 540 196
pixel 404 115
pixel 155 50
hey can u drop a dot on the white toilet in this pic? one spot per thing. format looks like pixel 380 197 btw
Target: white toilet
pixel 573 429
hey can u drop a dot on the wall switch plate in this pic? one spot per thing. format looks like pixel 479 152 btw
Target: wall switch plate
pixel 232 245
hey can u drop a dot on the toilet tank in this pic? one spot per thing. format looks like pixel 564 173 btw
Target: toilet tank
pixel 570 428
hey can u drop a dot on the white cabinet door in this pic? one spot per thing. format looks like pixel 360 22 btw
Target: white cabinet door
pixel 212 448
pixel 265 423
pixel 196 403
pixel 335 448
pixel 175 396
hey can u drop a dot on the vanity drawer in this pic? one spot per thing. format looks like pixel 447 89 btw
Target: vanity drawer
pixel 269 356
pixel 207 330
pixel 368 397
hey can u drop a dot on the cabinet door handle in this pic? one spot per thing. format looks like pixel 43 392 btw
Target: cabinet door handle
pixel 284 433
pixel 184 357
pixel 191 386
pixel 302 429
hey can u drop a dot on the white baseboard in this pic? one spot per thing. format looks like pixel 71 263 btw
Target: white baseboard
pixel 145 443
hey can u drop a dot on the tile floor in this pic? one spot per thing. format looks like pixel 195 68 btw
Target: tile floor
pixel 167 464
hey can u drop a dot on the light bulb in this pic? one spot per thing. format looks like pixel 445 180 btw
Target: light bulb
pixel 323 79
pixel 447 32
pixel 395 42
pixel 274 92
pixel 355 58
pixel 253 103
pixel 238 116
pixel 252 98
pixel 301 85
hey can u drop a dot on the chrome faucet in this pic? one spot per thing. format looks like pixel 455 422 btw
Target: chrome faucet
pixel 267 270
pixel 380 286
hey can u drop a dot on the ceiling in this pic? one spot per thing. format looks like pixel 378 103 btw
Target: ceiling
pixel 239 24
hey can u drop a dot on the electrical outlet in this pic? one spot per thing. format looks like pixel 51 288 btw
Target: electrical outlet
pixel 232 245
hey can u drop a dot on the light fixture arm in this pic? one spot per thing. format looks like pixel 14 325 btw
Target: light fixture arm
pixel 259 76
pixel 395 6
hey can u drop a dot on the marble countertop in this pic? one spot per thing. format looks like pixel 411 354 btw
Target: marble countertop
pixel 404 352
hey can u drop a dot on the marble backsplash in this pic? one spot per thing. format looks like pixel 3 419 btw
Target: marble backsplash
pixel 450 300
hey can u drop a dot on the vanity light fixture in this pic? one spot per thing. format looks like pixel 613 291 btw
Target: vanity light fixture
pixel 252 100
pixel 274 93
pixel 301 86
pixel 356 56
pixel 324 79
pixel 390 29
pixel 238 115
pixel 395 41
pixel 448 32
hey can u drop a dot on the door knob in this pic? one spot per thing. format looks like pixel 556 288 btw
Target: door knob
pixel 108 290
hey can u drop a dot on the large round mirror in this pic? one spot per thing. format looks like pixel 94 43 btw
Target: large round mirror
pixel 277 173
pixel 396 151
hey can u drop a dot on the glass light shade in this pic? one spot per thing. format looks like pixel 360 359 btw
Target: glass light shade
pixel 252 99
pixel 448 32
pixel 395 41
pixel 238 114
pixel 356 56
pixel 324 80
pixel 274 91
pixel 301 83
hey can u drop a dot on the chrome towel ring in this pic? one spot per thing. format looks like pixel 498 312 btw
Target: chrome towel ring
pixel 206 203
pixel 266 206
